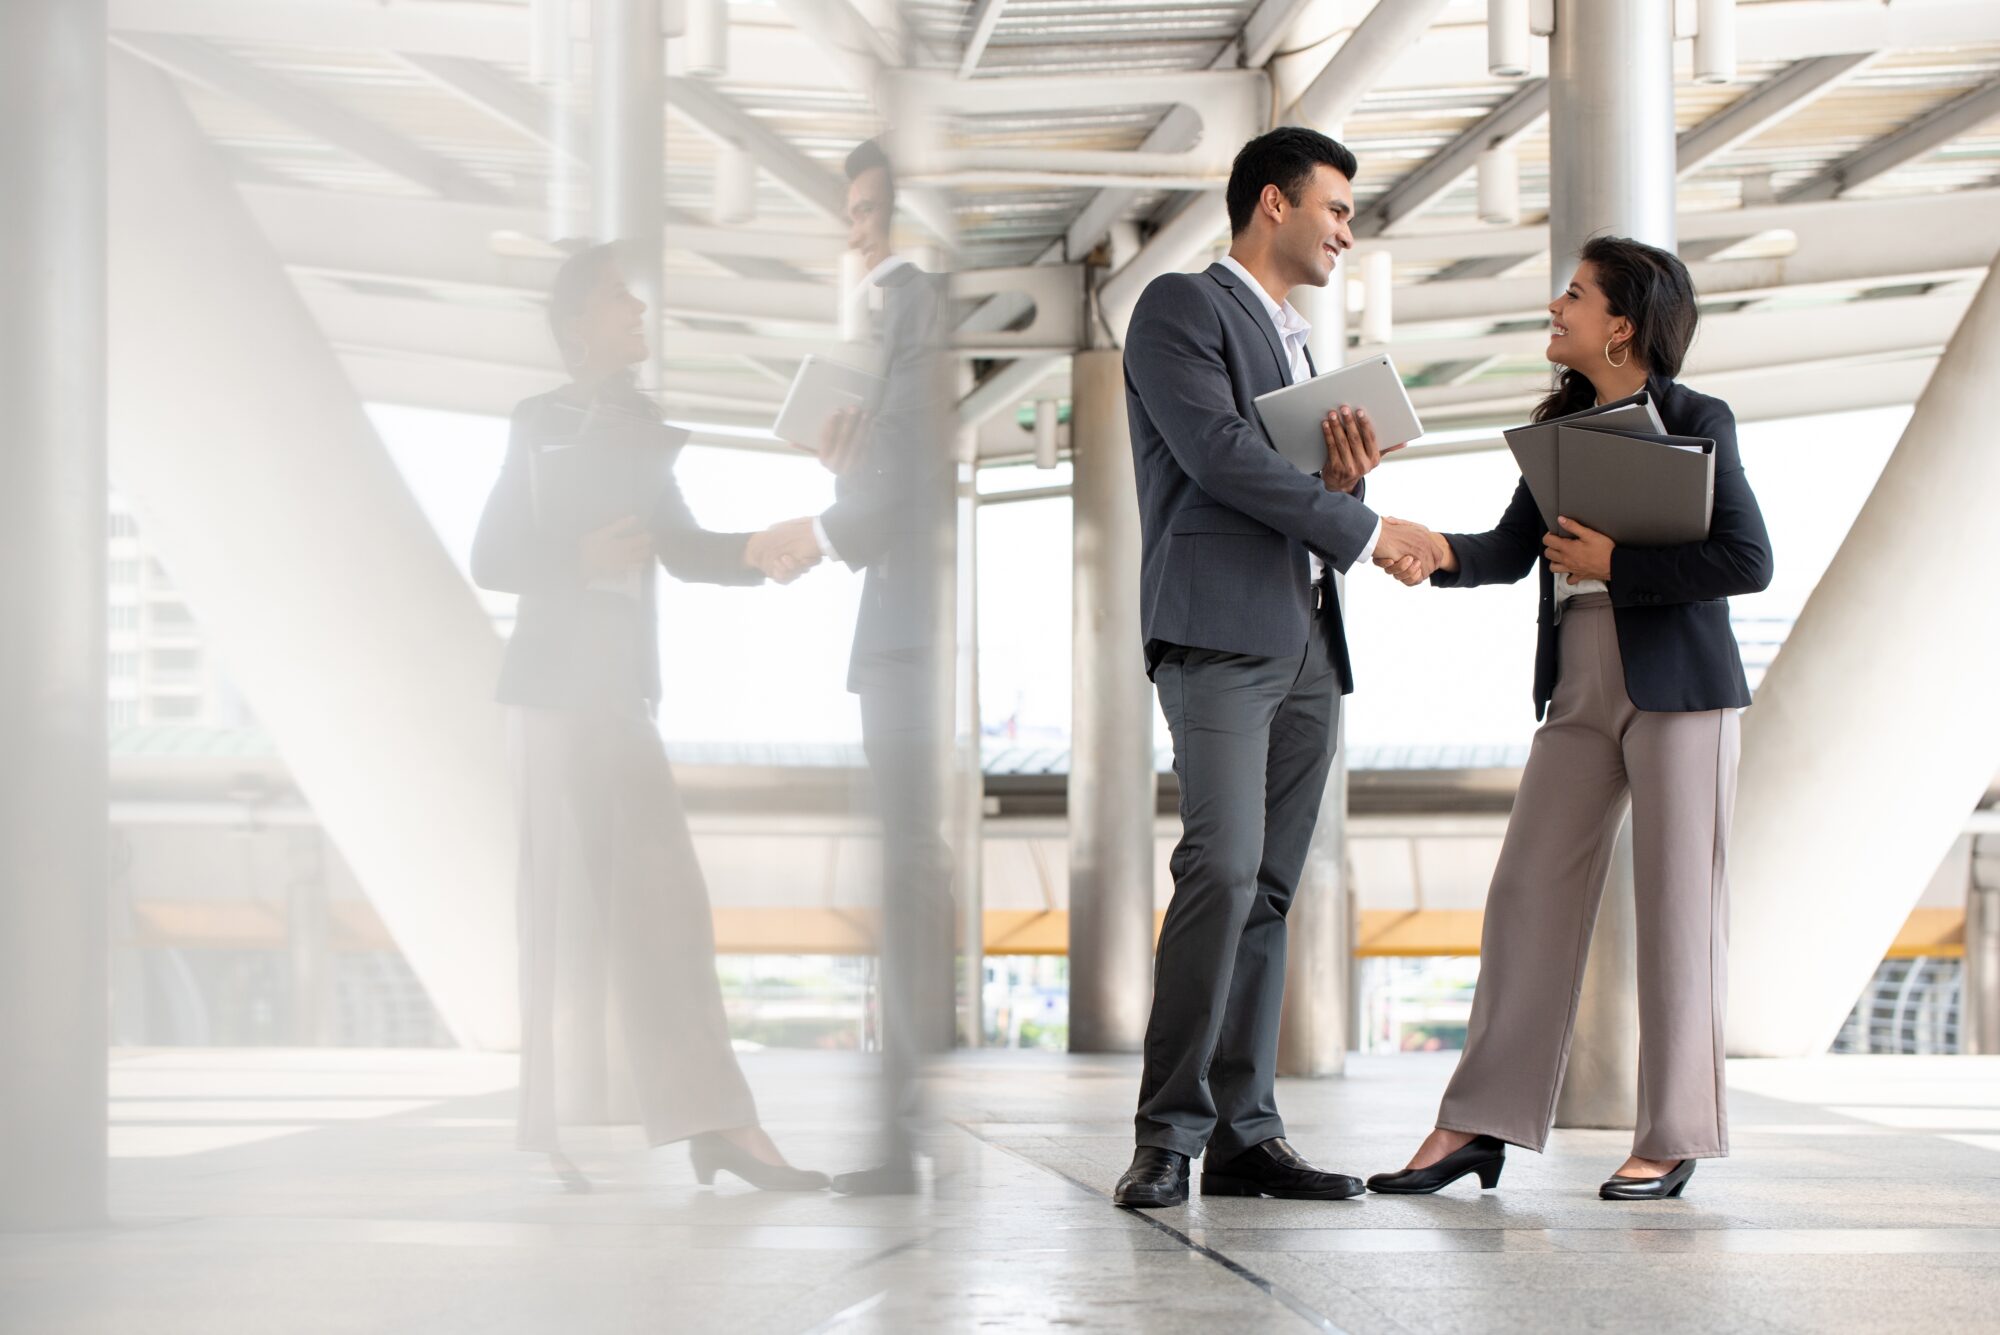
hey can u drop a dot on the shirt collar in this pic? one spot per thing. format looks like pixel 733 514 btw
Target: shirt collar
pixel 1289 323
pixel 881 271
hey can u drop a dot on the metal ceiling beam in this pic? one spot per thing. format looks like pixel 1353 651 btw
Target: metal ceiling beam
pixel 1820 224
pixel 1518 114
pixel 985 18
pixel 1265 31
pixel 1741 339
pixel 476 28
pixel 517 105
pixel 1385 36
pixel 1930 131
pixel 194 59
pixel 1784 94
pixel 717 116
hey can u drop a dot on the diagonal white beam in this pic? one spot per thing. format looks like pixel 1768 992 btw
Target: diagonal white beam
pixel 193 59
pixel 985 19
pixel 1932 130
pixel 1784 94
pixel 1419 189
pixel 1265 30
pixel 1388 33
pixel 517 105
pixel 722 119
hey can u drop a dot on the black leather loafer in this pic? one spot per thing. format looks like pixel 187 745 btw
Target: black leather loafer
pixel 1619 1188
pixel 1484 1155
pixel 1274 1168
pixel 1157 1180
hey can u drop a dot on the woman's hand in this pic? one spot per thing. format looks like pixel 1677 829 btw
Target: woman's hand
pixel 616 549
pixel 1585 556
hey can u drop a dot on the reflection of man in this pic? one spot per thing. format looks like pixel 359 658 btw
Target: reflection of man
pixel 893 491
pixel 1245 643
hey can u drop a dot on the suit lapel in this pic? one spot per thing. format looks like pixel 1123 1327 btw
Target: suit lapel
pixel 1312 368
pixel 1255 310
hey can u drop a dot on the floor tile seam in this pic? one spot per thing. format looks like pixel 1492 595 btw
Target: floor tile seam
pixel 1270 1288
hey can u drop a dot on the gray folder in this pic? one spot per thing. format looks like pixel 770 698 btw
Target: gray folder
pixel 1641 489
pixel 1534 445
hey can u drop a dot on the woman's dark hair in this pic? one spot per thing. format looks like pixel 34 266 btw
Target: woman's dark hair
pixel 572 287
pixel 1285 157
pixel 1651 288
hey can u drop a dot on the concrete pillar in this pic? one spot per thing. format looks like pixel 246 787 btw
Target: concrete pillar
pixel 1113 790
pixel 1319 960
pixel 1315 1027
pixel 968 776
pixel 628 147
pixel 53 956
pixel 1611 168
pixel 315 576
pixel 1979 1003
pixel 1873 733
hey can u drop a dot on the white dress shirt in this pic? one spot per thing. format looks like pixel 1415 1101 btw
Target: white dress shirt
pixel 1292 331
pixel 1566 590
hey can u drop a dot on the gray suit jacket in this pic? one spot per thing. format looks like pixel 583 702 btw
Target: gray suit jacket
pixel 889 510
pixel 1226 521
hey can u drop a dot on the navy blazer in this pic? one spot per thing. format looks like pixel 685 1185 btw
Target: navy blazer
pixel 575 647
pixel 1226 522
pixel 1671 604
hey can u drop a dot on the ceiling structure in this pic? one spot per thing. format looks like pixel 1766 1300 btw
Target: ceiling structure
pixel 410 161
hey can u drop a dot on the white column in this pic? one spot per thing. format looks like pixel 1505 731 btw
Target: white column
pixel 315 576
pixel 53 970
pixel 1873 732
pixel 1112 785
pixel 628 151
pixel 1611 167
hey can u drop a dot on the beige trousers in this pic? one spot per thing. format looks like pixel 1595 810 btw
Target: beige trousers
pixel 1679 771
pixel 621 1013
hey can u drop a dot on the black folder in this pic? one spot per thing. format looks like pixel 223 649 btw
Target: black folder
pixel 1534 445
pixel 612 464
pixel 1641 489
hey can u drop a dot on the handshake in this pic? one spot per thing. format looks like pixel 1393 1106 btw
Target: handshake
pixel 1411 553
pixel 784 551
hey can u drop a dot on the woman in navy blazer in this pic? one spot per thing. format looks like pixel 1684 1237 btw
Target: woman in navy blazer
pixel 1638 681
pixel 614 915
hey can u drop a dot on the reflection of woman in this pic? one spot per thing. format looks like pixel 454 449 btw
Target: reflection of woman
pixel 1640 679
pixel 618 986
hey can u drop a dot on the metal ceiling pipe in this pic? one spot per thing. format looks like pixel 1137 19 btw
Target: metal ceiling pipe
pixel 1507 38
pixel 628 147
pixel 1611 169
pixel 1715 41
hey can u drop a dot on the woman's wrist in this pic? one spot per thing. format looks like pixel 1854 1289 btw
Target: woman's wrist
pixel 1446 558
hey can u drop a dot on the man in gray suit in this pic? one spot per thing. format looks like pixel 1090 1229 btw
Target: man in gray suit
pixel 1245 645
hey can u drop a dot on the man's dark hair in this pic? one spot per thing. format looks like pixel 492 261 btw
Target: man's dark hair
pixel 867 156
pixel 1285 157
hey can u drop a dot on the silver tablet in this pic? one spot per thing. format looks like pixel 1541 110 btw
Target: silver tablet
pixel 821 389
pixel 1292 415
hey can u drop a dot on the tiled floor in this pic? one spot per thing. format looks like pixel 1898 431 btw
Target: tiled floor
pixel 324 1191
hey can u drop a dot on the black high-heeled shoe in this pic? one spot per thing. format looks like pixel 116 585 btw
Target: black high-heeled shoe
pixel 1618 1187
pixel 711 1151
pixel 1484 1155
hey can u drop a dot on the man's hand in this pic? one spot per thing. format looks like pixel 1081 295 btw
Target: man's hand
pixel 1351 449
pixel 1408 552
pixel 840 439
pixel 1585 556
pixel 619 547
pixel 783 551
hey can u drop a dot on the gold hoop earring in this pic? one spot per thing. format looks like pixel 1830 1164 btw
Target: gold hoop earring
pixel 1607 354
